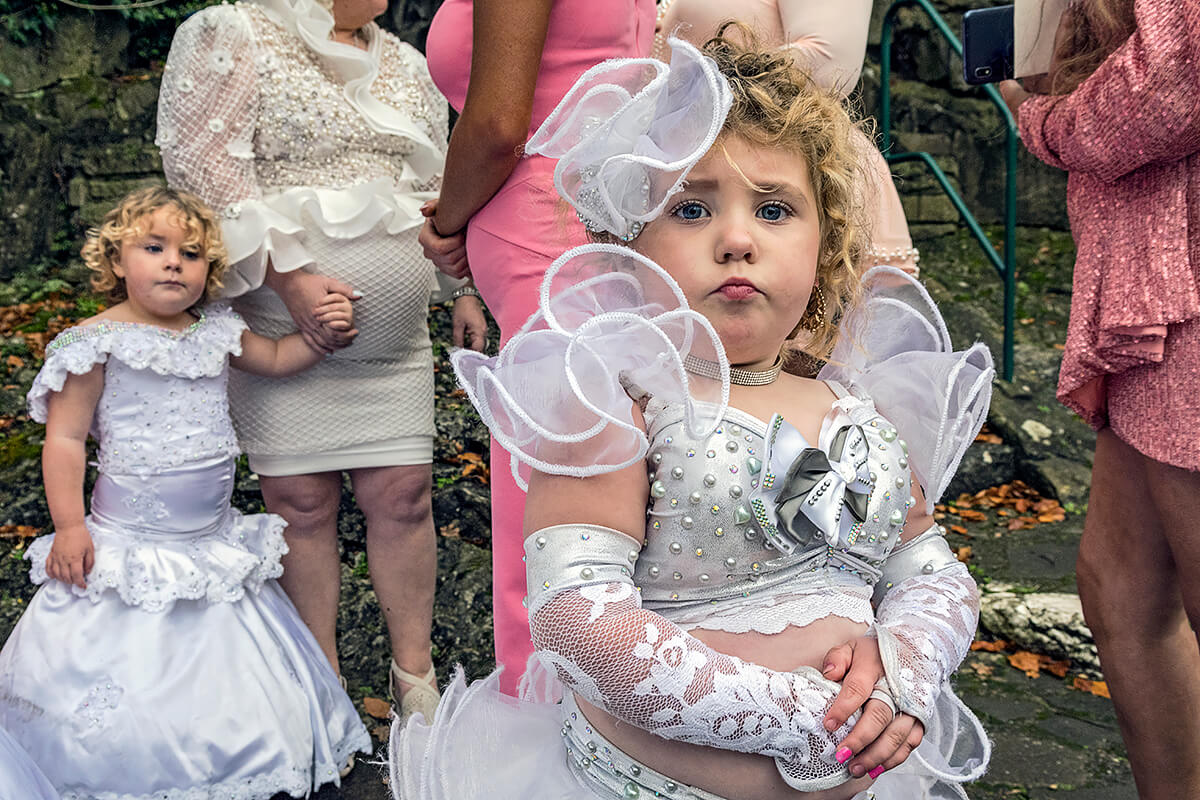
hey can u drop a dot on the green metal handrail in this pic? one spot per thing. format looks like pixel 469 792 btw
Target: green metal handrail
pixel 1005 266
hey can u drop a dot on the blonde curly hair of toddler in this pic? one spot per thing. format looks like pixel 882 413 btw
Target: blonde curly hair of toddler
pixel 102 248
pixel 777 105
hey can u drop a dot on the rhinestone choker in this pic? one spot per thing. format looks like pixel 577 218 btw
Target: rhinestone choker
pixel 742 377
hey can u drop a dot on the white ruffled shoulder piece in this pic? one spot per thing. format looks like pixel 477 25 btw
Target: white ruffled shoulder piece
pixel 895 348
pixel 628 132
pixel 152 574
pixel 607 318
pixel 199 350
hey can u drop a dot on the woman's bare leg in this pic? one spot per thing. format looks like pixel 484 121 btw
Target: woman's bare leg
pixel 312 571
pixel 401 555
pixel 1137 568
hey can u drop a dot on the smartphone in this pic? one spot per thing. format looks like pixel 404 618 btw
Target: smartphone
pixel 987 36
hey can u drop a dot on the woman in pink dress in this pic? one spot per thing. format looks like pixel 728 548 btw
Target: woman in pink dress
pixel 504 66
pixel 1123 119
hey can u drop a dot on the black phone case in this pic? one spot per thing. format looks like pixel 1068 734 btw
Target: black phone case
pixel 987 35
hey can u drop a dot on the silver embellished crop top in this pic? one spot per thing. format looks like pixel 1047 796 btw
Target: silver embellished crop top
pixel 755 508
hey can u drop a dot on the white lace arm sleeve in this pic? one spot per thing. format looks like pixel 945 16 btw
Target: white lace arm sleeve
pixel 207 108
pixel 925 620
pixel 589 627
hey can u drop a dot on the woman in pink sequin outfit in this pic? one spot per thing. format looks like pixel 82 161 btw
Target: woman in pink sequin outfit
pixel 504 66
pixel 1124 121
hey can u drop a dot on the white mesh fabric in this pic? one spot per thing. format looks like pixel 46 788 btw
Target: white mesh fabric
pixel 606 315
pixel 648 672
pixel 894 347
pixel 627 133
pixel 925 625
pixel 207 107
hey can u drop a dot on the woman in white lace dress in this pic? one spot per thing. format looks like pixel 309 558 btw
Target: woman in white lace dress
pixel 317 136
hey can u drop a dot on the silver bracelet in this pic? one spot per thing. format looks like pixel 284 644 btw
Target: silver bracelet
pixel 464 291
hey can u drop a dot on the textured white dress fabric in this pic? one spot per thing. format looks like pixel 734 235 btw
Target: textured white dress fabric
pixel 20 778
pixel 621 648
pixel 318 156
pixel 182 671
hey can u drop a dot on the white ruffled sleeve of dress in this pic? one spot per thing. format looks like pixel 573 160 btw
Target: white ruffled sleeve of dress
pixel 894 347
pixel 607 318
pixel 207 111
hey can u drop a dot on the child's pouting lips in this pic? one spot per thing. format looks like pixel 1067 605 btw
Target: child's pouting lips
pixel 737 289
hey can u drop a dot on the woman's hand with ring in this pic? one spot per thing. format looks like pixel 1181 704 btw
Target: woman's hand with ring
pixel 880 739
pixel 448 253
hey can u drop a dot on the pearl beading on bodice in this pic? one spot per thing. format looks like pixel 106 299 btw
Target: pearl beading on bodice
pixel 309 135
pixel 707 541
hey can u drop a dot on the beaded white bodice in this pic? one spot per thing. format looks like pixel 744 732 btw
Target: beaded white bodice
pixel 713 533
pixel 308 135
pixel 281 118
pixel 164 402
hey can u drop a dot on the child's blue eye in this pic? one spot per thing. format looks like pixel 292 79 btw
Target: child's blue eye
pixel 191 254
pixel 153 248
pixel 774 212
pixel 690 210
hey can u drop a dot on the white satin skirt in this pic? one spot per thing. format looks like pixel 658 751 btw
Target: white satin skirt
pixel 183 670
pixel 485 745
pixel 20 778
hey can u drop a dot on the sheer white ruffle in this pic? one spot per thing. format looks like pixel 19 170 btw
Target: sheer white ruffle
pixel 627 133
pixel 607 317
pixel 895 348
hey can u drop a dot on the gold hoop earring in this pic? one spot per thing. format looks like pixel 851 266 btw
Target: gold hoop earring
pixel 814 314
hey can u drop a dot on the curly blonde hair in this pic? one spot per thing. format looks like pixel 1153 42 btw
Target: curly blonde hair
pixel 777 105
pixel 102 248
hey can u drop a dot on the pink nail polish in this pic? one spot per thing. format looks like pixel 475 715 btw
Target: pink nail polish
pixel 875 773
pixel 843 755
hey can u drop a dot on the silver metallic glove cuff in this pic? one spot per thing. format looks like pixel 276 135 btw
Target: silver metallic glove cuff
pixel 925 554
pixel 565 557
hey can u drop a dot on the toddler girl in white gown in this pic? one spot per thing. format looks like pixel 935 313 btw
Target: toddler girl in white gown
pixel 160 659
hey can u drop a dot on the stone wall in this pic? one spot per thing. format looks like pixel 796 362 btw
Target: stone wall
pixel 77 129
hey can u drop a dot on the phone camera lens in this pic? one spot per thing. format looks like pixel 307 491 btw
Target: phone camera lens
pixel 983 72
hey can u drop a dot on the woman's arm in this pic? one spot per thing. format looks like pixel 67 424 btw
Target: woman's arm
pixel 1141 106
pixel 829 39
pixel 207 118
pixel 506 52
pixel 63 464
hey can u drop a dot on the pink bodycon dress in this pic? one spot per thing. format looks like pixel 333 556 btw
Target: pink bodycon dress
pixel 512 240
pixel 830 41
pixel 1129 137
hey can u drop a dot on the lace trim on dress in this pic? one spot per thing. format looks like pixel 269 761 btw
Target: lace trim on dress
pixel 774 614
pixel 217 568
pixel 200 350
pixel 295 781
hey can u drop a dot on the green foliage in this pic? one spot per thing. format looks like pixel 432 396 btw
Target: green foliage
pixel 27 21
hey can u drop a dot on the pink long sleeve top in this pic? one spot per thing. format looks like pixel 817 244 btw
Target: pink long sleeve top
pixel 1129 136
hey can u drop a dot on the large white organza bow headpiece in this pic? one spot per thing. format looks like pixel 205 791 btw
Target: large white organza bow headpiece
pixel 627 133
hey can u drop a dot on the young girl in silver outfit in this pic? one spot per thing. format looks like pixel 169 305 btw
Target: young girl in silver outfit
pixel 713 541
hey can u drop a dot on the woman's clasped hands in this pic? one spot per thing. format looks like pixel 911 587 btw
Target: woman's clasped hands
pixel 881 739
